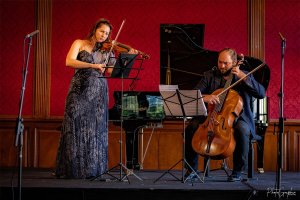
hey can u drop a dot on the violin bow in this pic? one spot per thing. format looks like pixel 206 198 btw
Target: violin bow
pixel 251 72
pixel 113 42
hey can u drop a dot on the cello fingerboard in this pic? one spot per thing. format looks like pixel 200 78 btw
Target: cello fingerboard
pixel 222 97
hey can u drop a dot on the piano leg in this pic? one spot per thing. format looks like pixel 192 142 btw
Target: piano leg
pixel 261 130
pixel 132 131
pixel 131 150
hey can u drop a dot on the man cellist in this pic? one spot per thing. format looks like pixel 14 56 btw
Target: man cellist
pixel 244 126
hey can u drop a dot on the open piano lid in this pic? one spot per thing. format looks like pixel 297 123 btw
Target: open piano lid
pixel 189 60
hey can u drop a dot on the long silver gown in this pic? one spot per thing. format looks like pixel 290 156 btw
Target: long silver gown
pixel 83 148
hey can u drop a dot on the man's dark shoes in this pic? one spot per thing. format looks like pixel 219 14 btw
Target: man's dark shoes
pixel 235 176
pixel 191 176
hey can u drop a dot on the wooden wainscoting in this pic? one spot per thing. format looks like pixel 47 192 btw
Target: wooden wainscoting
pixel 291 146
pixel 160 145
pixel 40 142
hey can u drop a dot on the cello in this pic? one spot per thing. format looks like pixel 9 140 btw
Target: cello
pixel 214 138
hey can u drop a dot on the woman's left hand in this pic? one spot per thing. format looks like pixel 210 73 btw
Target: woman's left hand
pixel 133 51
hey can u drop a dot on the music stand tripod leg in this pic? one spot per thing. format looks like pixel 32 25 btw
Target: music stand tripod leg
pixel 169 172
pixel 184 179
pixel 184 163
pixel 124 172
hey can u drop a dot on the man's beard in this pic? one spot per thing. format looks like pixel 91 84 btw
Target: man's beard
pixel 225 73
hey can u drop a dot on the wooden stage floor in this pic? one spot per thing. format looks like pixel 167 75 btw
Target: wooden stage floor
pixel 41 184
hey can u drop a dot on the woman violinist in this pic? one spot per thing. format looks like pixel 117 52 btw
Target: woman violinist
pixel 83 148
pixel 243 126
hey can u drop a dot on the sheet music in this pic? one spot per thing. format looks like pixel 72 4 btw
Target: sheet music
pixel 168 87
pixel 182 103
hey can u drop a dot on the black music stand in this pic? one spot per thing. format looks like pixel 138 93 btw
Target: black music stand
pixel 181 104
pixel 123 66
pixel 121 70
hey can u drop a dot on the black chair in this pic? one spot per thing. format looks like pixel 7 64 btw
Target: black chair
pixel 260 112
pixel 261 127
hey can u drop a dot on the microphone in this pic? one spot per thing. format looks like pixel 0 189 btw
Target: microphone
pixel 281 37
pixel 32 34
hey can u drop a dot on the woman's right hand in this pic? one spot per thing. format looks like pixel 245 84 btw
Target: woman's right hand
pixel 100 67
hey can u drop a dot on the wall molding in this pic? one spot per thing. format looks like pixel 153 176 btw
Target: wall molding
pixel 42 67
pixel 256 28
pixel 41 139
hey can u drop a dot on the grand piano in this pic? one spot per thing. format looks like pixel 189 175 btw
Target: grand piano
pixel 183 61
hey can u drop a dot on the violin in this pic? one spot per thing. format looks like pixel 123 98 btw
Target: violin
pixel 121 48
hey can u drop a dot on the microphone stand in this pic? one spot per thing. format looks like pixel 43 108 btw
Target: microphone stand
pixel 281 118
pixel 20 125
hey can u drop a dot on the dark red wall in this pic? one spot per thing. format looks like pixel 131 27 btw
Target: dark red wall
pixel 17 20
pixel 141 30
pixel 225 26
pixel 284 17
